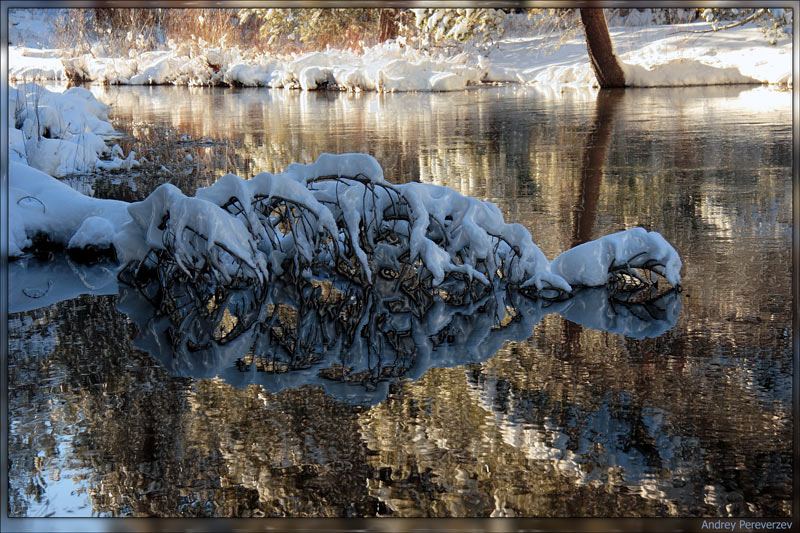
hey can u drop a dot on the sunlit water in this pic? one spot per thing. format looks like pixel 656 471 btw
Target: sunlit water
pixel 571 422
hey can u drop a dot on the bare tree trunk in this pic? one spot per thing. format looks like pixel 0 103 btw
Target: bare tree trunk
pixel 598 42
pixel 388 25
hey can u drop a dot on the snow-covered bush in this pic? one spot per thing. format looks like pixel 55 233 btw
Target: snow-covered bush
pixel 60 133
pixel 335 217
pixel 328 275
pixel 649 16
pixel 339 219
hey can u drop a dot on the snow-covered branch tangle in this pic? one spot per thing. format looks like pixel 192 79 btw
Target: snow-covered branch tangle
pixel 329 261
pixel 338 218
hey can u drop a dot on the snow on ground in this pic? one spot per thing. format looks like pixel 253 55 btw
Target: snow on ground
pixel 33 28
pixel 42 205
pixel 655 55
pixel 61 133
pixel 651 56
pixel 33 64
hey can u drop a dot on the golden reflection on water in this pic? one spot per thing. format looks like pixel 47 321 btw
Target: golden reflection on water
pixel 571 422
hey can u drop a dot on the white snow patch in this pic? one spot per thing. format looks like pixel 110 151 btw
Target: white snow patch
pixel 40 204
pixel 588 264
pixel 683 72
pixel 93 231
pixel 60 133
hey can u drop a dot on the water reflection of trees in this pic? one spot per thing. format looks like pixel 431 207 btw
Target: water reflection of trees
pixel 504 436
pixel 560 436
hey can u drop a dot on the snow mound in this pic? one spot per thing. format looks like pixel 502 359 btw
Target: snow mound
pixel 32 64
pixel 593 263
pixel 60 133
pixel 40 205
pixel 683 72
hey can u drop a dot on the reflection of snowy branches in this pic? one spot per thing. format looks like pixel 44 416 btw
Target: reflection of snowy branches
pixel 340 334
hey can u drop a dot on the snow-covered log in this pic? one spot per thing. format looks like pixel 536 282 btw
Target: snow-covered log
pixel 594 263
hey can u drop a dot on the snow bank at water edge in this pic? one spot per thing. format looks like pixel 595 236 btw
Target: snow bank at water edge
pixel 388 67
pixel 654 55
pixel 42 206
pixel 61 133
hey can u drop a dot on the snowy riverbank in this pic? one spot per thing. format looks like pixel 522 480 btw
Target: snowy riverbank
pixel 651 55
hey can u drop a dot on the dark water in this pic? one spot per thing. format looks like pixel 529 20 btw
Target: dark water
pixel 570 422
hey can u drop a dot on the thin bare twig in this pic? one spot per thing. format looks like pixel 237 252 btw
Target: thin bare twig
pixel 742 22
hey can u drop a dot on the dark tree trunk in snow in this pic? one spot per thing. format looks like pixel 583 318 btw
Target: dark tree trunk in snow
pixel 388 25
pixel 601 53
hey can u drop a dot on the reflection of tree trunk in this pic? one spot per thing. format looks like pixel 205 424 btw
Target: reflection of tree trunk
pixel 585 211
pixel 594 157
pixel 598 43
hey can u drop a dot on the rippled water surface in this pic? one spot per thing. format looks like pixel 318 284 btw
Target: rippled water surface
pixel 562 420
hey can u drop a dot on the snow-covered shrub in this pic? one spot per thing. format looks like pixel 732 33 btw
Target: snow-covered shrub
pixel 335 217
pixel 339 219
pixel 59 133
pixel 649 16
